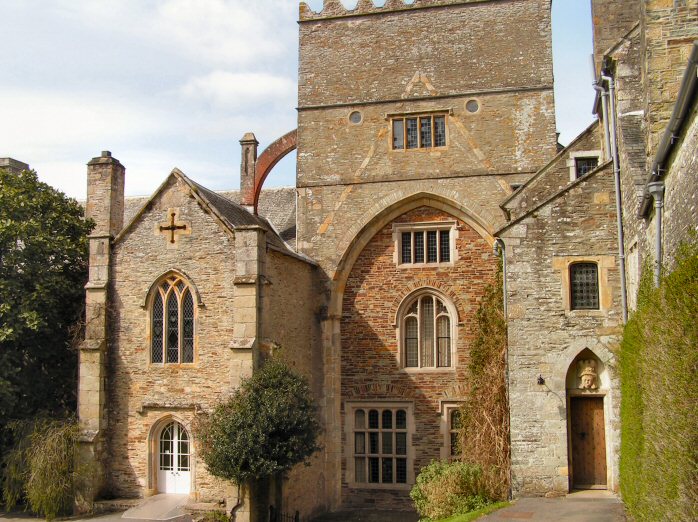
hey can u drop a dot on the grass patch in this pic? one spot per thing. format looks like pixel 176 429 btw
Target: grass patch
pixel 467 517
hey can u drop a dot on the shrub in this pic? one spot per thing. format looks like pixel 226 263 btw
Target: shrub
pixel 266 427
pixel 446 488
pixel 41 467
pixel 659 407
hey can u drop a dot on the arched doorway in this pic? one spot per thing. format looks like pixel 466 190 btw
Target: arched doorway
pixel 174 459
pixel 586 392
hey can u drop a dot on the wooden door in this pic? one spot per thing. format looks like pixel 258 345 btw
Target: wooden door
pixel 588 442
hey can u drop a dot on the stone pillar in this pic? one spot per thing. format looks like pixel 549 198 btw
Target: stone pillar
pixel 248 160
pixel 105 205
pixel 250 251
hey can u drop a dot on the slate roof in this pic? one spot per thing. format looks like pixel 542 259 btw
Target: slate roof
pixel 277 206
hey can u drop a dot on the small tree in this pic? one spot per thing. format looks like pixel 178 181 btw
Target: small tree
pixel 266 427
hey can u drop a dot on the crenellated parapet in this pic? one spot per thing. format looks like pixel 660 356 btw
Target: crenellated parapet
pixel 335 8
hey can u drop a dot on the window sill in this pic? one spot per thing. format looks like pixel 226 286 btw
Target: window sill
pixel 392 487
pixel 449 369
pixel 450 264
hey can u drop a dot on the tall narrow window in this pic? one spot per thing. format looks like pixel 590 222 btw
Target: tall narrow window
pixel 454 426
pixel 426 338
pixel 172 323
pixel 584 286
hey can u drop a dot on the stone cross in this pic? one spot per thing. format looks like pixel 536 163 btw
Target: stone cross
pixel 172 227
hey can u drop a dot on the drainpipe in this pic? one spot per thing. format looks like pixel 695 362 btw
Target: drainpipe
pixel 604 109
pixel 499 250
pixel 619 205
pixel 656 189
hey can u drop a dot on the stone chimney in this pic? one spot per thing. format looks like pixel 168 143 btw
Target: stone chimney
pixel 105 205
pixel 248 161
pixel 105 194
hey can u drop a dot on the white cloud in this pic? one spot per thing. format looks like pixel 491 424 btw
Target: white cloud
pixel 238 90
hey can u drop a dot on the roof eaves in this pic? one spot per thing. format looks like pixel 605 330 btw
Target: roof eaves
pixel 553 197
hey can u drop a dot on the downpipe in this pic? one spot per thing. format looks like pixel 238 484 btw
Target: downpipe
pixel 616 178
pixel 656 189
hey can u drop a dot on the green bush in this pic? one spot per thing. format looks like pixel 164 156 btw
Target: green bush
pixel 41 468
pixel 267 426
pixel 659 407
pixel 445 489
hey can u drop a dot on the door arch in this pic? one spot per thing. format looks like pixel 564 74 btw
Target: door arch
pixel 586 385
pixel 174 459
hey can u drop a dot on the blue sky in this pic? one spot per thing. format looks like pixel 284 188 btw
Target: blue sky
pixel 176 83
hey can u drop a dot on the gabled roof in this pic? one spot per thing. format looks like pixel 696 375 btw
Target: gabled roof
pixel 582 179
pixel 228 214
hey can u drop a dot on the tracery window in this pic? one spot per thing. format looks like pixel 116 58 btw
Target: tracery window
pixel 172 322
pixel 426 325
pixel 584 286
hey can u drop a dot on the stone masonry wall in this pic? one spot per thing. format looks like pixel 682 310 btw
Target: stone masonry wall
pixel 680 198
pixel 669 29
pixel 554 176
pixel 290 320
pixel 370 355
pixel 545 336
pixel 612 20
pixel 141 393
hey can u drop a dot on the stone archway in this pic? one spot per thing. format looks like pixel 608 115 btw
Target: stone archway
pixel 587 386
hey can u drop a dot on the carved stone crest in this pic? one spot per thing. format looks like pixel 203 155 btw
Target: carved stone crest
pixel 587 374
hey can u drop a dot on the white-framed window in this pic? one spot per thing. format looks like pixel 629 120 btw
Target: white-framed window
pixel 379 444
pixel 172 322
pixel 451 423
pixel 420 244
pixel 581 162
pixel 426 330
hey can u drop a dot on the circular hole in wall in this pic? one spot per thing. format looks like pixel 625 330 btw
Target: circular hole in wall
pixel 472 106
pixel 355 117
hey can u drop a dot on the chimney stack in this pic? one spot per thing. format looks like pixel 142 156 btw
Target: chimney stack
pixel 248 161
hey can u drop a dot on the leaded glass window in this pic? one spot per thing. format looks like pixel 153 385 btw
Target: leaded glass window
pixel 426 338
pixel 380 445
pixel 584 286
pixel 585 165
pixel 419 132
pixel 172 323
pixel 425 245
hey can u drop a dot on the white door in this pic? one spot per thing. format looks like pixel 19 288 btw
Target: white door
pixel 174 468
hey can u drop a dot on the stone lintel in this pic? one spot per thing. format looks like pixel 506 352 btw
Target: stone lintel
pixel 168 405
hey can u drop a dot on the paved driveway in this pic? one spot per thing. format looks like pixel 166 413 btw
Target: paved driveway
pixel 583 506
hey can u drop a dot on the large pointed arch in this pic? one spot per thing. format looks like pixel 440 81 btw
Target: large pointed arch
pixel 359 235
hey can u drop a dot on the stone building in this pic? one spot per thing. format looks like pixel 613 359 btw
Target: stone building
pixel 425 153
pixel 13 165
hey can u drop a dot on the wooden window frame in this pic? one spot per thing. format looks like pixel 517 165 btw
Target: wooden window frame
pixel 351 455
pixel 419 116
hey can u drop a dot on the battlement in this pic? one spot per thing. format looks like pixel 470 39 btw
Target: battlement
pixel 335 8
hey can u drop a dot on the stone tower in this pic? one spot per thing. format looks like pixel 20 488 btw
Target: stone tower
pixel 428 111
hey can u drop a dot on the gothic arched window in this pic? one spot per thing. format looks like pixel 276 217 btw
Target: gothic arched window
pixel 427 338
pixel 172 322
